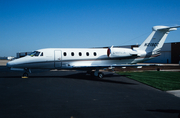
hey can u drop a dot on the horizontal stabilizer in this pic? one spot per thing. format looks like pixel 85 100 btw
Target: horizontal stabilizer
pixel 155 28
pixel 156 39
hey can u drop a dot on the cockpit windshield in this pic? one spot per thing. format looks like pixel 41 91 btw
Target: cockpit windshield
pixel 35 53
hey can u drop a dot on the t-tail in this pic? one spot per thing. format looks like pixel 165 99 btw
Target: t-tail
pixel 151 47
pixel 156 39
pixel 147 50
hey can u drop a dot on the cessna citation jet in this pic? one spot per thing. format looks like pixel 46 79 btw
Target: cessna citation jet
pixel 93 59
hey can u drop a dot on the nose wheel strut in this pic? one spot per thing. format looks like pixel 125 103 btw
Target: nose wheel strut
pixel 25 75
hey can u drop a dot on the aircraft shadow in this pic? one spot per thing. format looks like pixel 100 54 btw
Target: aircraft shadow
pixel 166 111
pixel 3 68
pixel 83 76
pixel 80 76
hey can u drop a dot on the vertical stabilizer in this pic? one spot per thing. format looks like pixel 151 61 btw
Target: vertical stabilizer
pixel 156 39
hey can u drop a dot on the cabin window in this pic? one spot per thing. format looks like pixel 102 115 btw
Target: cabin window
pixel 95 54
pixel 65 54
pixel 72 53
pixel 87 53
pixel 42 54
pixel 80 54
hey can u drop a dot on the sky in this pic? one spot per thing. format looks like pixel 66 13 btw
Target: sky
pixel 28 25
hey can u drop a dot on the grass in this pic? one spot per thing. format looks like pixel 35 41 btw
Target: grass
pixel 158 79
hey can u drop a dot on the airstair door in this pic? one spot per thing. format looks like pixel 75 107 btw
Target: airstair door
pixel 57 59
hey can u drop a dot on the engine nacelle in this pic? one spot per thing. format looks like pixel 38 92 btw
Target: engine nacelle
pixel 120 52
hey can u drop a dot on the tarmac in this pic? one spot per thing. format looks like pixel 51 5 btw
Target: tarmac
pixel 73 94
pixel 3 62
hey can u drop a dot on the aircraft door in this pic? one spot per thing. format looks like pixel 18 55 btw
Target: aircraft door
pixel 57 59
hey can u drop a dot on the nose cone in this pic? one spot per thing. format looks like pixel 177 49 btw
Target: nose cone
pixel 18 63
pixel 9 64
pixel 13 63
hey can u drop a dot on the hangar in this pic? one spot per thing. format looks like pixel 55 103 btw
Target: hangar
pixel 22 54
pixel 170 53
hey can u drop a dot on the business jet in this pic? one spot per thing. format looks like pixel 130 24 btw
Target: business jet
pixel 93 59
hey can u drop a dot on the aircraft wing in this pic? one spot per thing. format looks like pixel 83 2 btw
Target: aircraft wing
pixel 114 65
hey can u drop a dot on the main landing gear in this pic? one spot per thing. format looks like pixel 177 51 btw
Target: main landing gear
pixel 96 73
pixel 100 75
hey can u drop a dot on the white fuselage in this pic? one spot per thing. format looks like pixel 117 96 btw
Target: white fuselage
pixel 69 58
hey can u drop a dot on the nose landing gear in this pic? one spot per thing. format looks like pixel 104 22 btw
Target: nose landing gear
pixel 25 75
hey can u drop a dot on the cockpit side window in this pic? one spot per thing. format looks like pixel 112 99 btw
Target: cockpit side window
pixel 35 53
pixel 42 54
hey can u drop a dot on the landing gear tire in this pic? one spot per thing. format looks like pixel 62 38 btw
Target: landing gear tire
pixel 25 75
pixel 100 75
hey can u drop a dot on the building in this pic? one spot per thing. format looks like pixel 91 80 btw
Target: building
pixel 170 53
pixel 22 54
pixel 175 52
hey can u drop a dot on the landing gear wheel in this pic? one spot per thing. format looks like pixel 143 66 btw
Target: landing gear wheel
pixel 100 75
pixel 25 75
